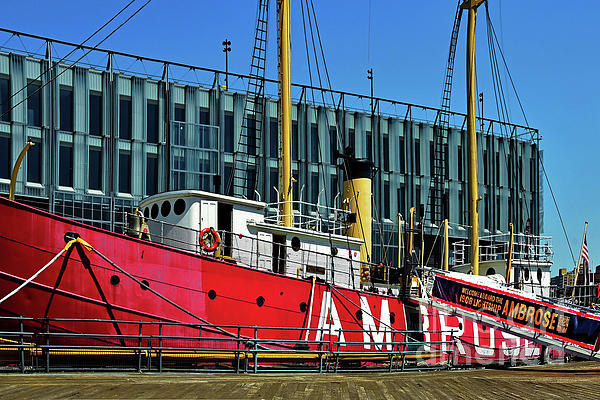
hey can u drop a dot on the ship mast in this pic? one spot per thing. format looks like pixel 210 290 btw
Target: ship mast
pixel 471 6
pixel 285 107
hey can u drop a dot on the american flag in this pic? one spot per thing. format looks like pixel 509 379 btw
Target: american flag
pixel 584 252
pixel 586 261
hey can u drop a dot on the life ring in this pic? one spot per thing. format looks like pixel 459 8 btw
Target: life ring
pixel 209 239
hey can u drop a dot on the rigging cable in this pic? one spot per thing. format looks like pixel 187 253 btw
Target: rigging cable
pixel 80 58
pixel 539 159
pixel 344 162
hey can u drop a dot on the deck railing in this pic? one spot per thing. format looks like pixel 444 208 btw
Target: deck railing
pixel 39 345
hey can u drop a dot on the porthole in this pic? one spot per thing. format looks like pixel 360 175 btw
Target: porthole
pixel 295 243
pixel 154 212
pixel 392 317
pixel 145 285
pixel 334 251
pixel 460 326
pixel 358 314
pixel 526 274
pixel 165 208
pixel 303 307
pixel 490 271
pixel 260 301
pixel 212 294
pixel 539 275
pixel 179 206
pixel 114 280
pixel 147 212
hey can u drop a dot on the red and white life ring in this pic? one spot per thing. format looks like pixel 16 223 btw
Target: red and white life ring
pixel 209 239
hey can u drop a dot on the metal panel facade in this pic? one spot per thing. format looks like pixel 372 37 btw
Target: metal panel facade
pixel 400 148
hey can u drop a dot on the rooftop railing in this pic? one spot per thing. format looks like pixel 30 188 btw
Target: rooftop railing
pixel 311 216
pixel 526 248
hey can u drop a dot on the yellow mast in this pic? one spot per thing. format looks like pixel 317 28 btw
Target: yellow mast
pixel 285 153
pixel 471 6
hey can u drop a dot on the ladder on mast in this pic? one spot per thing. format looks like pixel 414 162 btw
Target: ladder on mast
pixel 437 193
pixel 245 175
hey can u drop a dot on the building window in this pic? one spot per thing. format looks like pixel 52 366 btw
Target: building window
pixel 446 164
pixel 228 131
pixel 251 133
pixel 125 117
pixel 204 116
pixel 65 173
pixel 461 208
pixel 296 187
pixel 485 168
pixel 497 172
pixel 332 144
pixel 418 201
pixel 34 104
pixel 151 174
pixel 274 135
pixel 34 163
pixel 431 159
pixel 417 158
pixel 95 113
pixel 124 172
pixel 179 112
pixel 314 143
pixel 66 109
pixel 95 168
pixel 369 143
pixel 5 157
pixel 386 200
pixel 152 121
pixel 178 172
pixel 335 190
pixel 251 181
pixel 459 161
pixel 351 138
pixel 274 183
pixel 401 199
pixel 227 175
pixel 295 143
pixel 401 156
pixel 386 152
pixel 4 99
pixel 315 189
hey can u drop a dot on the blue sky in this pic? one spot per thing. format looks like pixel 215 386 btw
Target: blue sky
pixel 551 50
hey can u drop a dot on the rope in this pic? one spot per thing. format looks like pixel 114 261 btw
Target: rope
pixel 220 330
pixel 60 253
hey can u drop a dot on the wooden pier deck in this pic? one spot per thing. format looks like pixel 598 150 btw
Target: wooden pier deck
pixel 557 381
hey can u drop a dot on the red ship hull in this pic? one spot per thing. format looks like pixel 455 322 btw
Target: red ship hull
pixel 219 292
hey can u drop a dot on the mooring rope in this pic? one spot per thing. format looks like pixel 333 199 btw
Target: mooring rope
pixel 22 285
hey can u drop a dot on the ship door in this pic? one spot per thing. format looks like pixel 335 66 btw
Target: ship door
pixel 208 214
pixel 225 220
pixel 265 249
pixel 279 254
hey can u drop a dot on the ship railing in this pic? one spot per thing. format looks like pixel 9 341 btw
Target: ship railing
pixel 339 266
pixel 311 216
pixel 106 212
pixel 526 248
pixel 173 346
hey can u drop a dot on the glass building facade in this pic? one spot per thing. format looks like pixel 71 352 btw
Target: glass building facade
pixel 107 139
